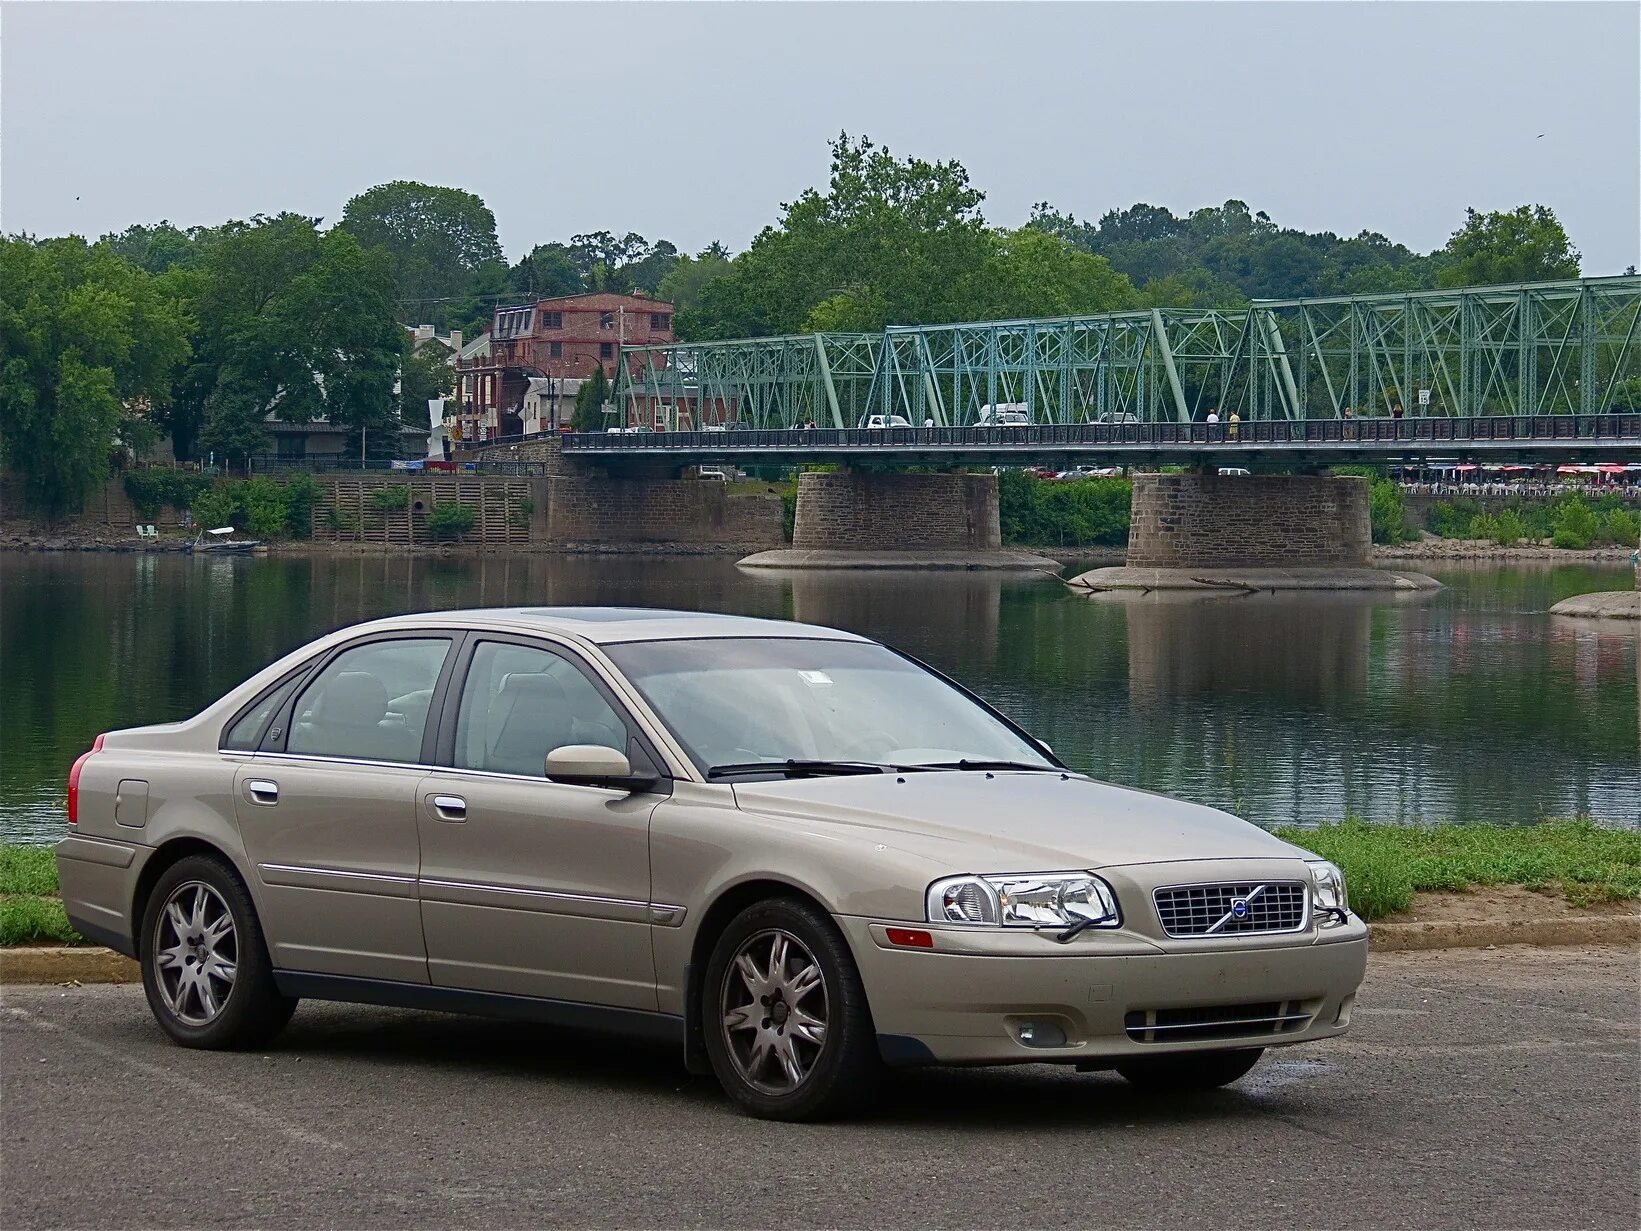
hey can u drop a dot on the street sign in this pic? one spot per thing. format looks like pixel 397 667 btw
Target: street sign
pixel 1424 397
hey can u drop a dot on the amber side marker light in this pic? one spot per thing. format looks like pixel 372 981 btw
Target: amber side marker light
pixel 910 938
pixel 74 781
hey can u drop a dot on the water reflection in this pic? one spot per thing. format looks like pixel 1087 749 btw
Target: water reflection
pixel 1470 704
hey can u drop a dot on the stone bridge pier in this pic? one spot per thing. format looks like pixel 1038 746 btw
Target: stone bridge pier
pixel 855 518
pixel 1250 532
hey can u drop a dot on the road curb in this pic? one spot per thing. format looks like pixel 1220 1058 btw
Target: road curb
pixel 1480 933
pixel 90 964
pixel 78 964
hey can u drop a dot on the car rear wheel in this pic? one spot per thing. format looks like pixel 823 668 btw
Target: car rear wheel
pixel 786 1022
pixel 1193 1071
pixel 205 966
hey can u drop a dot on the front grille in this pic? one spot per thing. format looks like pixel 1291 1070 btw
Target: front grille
pixel 1220 1021
pixel 1212 910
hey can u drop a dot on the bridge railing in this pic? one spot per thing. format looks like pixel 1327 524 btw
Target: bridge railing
pixel 1048 436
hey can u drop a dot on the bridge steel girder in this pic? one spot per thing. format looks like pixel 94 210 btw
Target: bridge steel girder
pixel 1535 348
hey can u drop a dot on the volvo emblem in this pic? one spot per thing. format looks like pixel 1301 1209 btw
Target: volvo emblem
pixel 1239 908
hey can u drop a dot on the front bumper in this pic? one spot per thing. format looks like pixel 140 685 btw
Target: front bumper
pixel 967 1000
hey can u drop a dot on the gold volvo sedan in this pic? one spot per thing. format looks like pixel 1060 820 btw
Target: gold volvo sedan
pixel 791 851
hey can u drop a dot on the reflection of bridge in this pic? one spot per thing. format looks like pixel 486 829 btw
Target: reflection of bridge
pixel 1532 349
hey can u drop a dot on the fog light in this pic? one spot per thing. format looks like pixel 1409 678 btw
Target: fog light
pixel 1342 1018
pixel 1041 1034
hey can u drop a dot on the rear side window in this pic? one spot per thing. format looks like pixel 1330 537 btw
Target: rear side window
pixel 246 732
pixel 370 702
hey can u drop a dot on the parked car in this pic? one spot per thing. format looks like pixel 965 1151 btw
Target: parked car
pixel 882 422
pixel 794 853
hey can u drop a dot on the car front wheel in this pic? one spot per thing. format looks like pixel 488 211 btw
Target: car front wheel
pixel 205 967
pixel 1192 1071
pixel 786 1022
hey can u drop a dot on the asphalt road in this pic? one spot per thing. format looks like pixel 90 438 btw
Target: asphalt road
pixel 1477 1089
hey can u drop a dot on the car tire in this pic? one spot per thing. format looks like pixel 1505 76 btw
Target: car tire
pixel 205 966
pixel 814 976
pixel 1203 1070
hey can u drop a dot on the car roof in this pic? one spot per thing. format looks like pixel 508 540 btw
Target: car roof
pixel 610 625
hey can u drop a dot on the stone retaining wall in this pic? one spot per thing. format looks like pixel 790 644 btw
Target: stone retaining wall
pixel 1249 521
pixel 855 510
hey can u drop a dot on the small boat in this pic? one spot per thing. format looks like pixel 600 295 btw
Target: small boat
pixel 221 545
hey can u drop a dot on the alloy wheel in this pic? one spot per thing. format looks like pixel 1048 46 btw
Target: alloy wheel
pixel 774 1004
pixel 196 953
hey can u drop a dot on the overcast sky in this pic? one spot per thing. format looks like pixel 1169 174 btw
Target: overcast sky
pixel 695 121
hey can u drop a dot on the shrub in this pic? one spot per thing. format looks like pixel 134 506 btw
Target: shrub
pixel 154 489
pixel 341 522
pixel 1386 510
pixel 1621 526
pixel 301 495
pixel 266 513
pixel 1573 524
pixel 1482 526
pixel 217 506
pixel 390 498
pixel 1065 513
pixel 1509 529
pixel 449 520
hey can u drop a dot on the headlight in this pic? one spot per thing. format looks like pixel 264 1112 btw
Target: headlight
pixel 1328 900
pixel 1024 900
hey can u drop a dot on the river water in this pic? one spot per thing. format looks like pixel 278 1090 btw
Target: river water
pixel 1472 704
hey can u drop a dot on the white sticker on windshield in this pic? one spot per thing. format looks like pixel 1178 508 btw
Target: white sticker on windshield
pixel 816 679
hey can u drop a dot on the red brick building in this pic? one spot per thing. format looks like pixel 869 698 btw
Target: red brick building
pixel 558 339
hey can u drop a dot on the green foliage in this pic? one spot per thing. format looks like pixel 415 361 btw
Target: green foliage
pixel 263 501
pixel 1573 524
pixel 1385 865
pixel 28 870
pixel 218 506
pixel 390 498
pixel 291 322
pixel 158 487
pixel 1506 528
pixel 893 241
pixel 301 494
pixel 449 520
pixel 435 239
pixel 83 334
pixel 426 374
pixel 1452 519
pixel 522 510
pixel 1620 527
pixel 589 401
pixel 1521 245
pixel 1386 510
pixel 1063 512
pixel 35 921
pixel 690 276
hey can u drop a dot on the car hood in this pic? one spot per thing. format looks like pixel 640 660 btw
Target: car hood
pixel 1016 821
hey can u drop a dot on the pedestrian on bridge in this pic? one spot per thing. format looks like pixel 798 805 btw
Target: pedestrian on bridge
pixel 1235 421
pixel 1213 415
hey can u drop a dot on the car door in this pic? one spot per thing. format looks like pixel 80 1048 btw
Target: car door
pixel 327 810
pixel 532 887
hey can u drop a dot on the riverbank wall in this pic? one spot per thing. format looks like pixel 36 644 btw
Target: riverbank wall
pixel 555 512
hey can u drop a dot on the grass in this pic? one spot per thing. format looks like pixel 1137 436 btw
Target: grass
pixel 1386 865
pixel 30 912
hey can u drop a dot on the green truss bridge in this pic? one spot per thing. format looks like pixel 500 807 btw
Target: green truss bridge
pixel 1531 350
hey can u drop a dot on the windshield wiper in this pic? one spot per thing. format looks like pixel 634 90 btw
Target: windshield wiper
pixel 797 768
pixel 968 764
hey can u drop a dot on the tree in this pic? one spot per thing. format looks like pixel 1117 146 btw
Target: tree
pixel 293 323
pixel 690 275
pixel 426 374
pixel 1522 245
pixel 548 270
pixel 1030 272
pixel 435 238
pixel 86 338
pixel 590 399
pixel 890 241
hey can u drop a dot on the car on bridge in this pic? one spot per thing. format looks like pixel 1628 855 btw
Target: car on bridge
pixel 879 423
pixel 792 852
pixel 1004 414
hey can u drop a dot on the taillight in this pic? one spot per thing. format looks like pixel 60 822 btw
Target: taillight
pixel 74 781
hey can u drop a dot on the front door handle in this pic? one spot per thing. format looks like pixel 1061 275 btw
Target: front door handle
pixel 450 807
pixel 262 791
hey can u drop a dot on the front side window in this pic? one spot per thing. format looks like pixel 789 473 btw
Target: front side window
pixel 370 702
pixel 736 701
pixel 520 702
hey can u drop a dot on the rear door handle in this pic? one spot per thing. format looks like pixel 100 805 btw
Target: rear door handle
pixel 450 807
pixel 262 791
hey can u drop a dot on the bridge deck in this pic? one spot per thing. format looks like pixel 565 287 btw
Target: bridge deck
pixel 1540 438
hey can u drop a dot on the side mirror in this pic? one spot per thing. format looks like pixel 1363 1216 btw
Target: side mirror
pixel 595 765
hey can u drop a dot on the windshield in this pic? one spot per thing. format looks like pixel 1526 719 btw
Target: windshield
pixel 744 701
